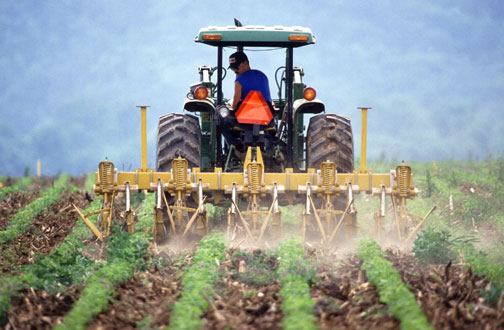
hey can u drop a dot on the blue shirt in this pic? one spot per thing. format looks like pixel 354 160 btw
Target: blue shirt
pixel 254 80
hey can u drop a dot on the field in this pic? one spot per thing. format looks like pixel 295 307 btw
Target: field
pixel 55 274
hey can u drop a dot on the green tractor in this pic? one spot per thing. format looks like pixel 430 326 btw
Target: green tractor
pixel 268 162
pixel 198 138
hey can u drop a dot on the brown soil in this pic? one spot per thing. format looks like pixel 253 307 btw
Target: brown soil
pixel 39 184
pixel 241 309
pixel 345 300
pixel 78 181
pixel 13 204
pixel 45 233
pixel 242 305
pixel 149 294
pixel 449 295
pixel 36 310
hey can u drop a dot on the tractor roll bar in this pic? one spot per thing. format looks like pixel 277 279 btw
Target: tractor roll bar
pixel 290 124
pixel 289 95
pixel 219 102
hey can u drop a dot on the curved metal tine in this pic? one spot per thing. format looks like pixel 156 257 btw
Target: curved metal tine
pixel 172 222
pixel 244 222
pixel 194 216
pixel 319 223
pixel 396 218
pixel 335 231
pixel 265 223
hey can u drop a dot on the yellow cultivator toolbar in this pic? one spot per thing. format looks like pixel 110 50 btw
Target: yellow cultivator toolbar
pixel 317 186
pixel 328 197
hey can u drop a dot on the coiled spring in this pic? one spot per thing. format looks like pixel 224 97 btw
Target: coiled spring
pixel 328 171
pixel 106 175
pixel 254 177
pixel 179 167
pixel 403 177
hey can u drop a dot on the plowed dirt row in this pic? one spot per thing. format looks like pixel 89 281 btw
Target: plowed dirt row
pixel 46 232
pixel 13 204
pixel 247 294
pixel 149 294
pixel 449 295
pixel 19 199
pixel 35 309
pixel 345 300
pixel 246 297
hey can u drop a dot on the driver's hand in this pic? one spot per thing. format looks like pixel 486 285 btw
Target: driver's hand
pixel 229 104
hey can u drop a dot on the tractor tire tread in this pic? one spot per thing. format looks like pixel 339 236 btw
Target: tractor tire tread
pixel 178 135
pixel 330 137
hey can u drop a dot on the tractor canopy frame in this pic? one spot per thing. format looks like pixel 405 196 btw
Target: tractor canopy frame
pixel 258 36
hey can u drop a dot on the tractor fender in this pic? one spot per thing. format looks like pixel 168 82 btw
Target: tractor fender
pixel 193 105
pixel 305 106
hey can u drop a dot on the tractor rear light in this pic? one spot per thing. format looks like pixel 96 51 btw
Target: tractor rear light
pixel 212 37
pixel 309 94
pixel 201 93
pixel 298 37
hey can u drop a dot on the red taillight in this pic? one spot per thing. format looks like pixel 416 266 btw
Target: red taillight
pixel 201 93
pixel 309 94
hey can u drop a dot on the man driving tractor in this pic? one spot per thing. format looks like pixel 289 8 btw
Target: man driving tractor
pixel 247 80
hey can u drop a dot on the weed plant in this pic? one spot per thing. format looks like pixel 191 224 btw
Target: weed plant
pixel 438 246
pixel 494 273
pixel 400 301
pixel 434 246
pixel 261 266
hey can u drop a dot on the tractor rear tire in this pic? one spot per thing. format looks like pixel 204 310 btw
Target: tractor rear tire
pixel 330 138
pixel 179 135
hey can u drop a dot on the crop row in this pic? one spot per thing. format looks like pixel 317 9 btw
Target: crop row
pixel 21 184
pixel 201 275
pixel 124 255
pixel 65 265
pixel 295 276
pixel 494 273
pixel 21 220
pixel 400 301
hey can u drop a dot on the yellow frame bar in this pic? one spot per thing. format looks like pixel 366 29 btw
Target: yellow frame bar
pixel 219 181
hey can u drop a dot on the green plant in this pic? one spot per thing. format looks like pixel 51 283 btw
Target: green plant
pixel 295 274
pixel 21 220
pixel 431 187
pixel 64 266
pixel 482 267
pixel 9 287
pixel 125 253
pixel 400 301
pixel 261 266
pixel 100 288
pixel 20 185
pixel 203 273
pixel 432 246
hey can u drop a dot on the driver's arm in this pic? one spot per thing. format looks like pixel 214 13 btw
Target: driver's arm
pixel 237 95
